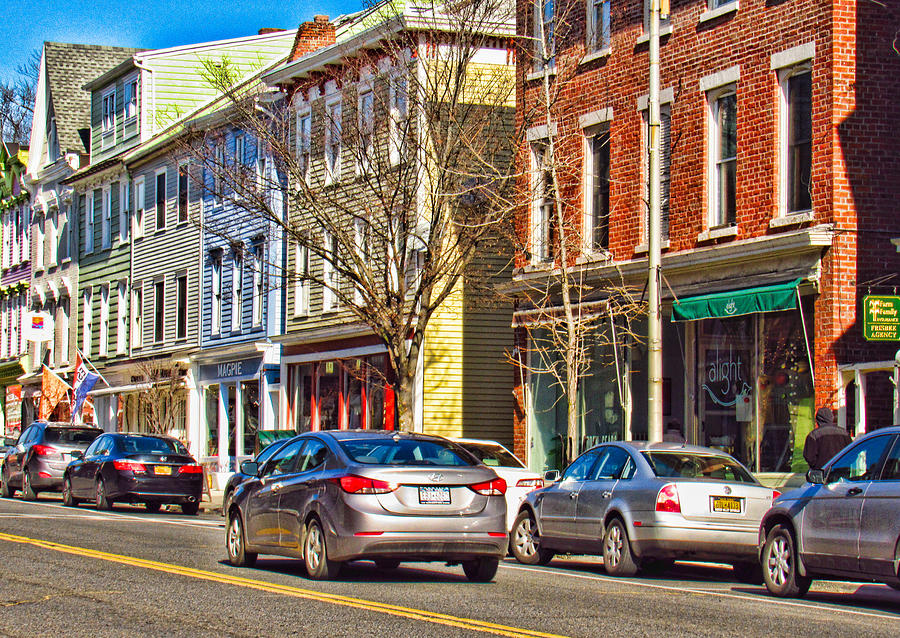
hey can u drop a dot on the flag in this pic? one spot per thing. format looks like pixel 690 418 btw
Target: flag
pixel 84 382
pixel 53 388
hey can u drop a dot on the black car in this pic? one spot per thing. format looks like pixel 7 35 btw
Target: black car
pixel 39 458
pixel 134 468
pixel 239 477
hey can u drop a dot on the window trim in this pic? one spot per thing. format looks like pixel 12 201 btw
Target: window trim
pixel 87 320
pixel 716 218
pixel 257 253
pixel 329 277
pixel 137 315
pixel 184 179
pixel 215 289
pixel 399 118
pixel 539 240
pixel 784 115
pixel 124 210
pixel 541 38
pixel 301 281
pixel 161 202
pixel 103 348
pixel 106 218
pixel 131 80
pixel 597 46
pixel 588 240
pixel 333 125
pixel 108 134
pixel 365 127
pixel 122 317
pixel 304 141
pixel 140 206
pixel 89 220
pixel 181 312
pixel 237 291
pixel 159 311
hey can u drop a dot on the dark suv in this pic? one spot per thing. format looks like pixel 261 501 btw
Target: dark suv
pixel 37 462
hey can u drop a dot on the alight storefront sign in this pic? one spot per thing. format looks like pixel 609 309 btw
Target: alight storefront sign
pixel 881 318
pixel 234 370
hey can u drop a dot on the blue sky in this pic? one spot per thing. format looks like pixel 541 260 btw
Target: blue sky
pixel 149 24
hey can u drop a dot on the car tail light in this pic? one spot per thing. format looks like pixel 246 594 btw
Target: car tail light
pixel 497 534
pixel 362 485
pixel 533 483
pixel 129 466
pixel 775 494
pixel 44 450
pixel 667 499
pixel 495 487
pixel 191 469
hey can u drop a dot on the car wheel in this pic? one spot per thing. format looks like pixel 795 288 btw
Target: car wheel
pixel 750 573
pixel 153 507
pixel 526 542
pixel 67 498
pixel 28 491
pixel 617 557
pixel 315 554
pixel 235 543
pixel 481 570
pixel 190 509
pixel 102 501
pixel 779 565
pixel 387 563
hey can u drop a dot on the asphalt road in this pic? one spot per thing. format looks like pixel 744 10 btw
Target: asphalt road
pixel 79 572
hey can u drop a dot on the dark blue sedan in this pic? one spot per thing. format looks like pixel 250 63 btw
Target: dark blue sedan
pixel 134 468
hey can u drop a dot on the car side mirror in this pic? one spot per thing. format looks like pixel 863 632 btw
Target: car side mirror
pixel 816 477
pixel 76 454
pixel 551 476
pixel 250 468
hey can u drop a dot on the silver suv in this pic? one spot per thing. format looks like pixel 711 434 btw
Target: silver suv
pixel 841 525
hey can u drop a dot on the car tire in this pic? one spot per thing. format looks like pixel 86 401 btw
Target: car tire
pixel 618 559
pixel 315 553
pixel 749 573
pixel 779 565
pixel 6 490
pixel 481 570
pixel 67 498
pixel 28 491
pixel 102 500
pixel 235 543
pixel 525 541
pixel 153 507
pixel 190 509
pixel 387 563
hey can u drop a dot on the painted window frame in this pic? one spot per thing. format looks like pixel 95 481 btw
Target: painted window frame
pixel 333 138
pixel 103 350
pixel 124 210
pixel 665 181
pixel 65 312
pixel 786 112
pixel 240 149
pixel 184 192
pixel 330 277
pixel 140 206
pixel 541 210
pixel 130 98
pixel 720 213
pixel 89 221
pixel 237 290
pixel 218 167
pixel 301 280
pixel 398 133
pixel 40 243
pixel 544 27
pixel 87 297
pixel 106 218
pixel 160 202
pixel 595 188
pixel 257 256
pixel 599 26
pixel 64 234
pixel 304 142
pixel 122 317
pixel 52 238
pixel 108 117
pixel 137 316
pixel 159 311
pixel 215 316
pixel 365 109
pixel 182 291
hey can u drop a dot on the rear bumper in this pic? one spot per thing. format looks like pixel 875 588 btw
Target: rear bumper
pixel 157 490
pixel 47 475
pixel 688 541
pixel 418 547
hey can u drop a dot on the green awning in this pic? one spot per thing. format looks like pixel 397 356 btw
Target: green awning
pixel 734 303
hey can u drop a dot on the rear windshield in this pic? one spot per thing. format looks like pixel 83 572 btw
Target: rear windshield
pixel 405 452
pixel 697 466
pixel 492 455
pixel 70 435
pixel 151 445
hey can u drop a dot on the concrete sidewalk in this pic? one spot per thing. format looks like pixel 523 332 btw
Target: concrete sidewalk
pixel 212 502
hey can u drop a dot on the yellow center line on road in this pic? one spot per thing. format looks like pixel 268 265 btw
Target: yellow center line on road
pixel 296 592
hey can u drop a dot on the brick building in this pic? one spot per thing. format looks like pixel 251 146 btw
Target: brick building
pixel 779 184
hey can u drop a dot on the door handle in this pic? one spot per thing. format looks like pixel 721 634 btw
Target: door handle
pixel 853 491
pixel 573 494
pixel 606 493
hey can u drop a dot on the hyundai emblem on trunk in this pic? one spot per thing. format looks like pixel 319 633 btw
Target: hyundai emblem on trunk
pixel 436 477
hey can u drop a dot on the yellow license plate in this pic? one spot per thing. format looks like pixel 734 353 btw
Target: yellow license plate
pixel 729 504
pixel 162 470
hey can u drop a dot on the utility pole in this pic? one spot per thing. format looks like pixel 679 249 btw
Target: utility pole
pixel 654 240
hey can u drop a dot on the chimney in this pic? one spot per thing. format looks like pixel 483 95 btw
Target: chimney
pixel 313 35
pixel 268 30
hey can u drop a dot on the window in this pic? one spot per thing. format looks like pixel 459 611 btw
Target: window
pixel 597 191
pixel 715 4
pixel 7 241
pixel 109 115
pixel 40 246
pixel 216 300
pixel 237 290
pixel 333 142
pixel 598 33
pixel 258 283
pixel 131 98
pixel 262 180
pixel 218 167
pixel 104 320
pixel 51 240
pixel 124 209
pixel 122 318
pixel 137 315
pixel 89 222
pixel 665 164
pixel 181 319
pixel 543 203
pixel 139 204
pixel 301 280
pixel 399 107
pixel 366 130
pixel 161 199
pixel 361 244
pixel 239 154
pixel 62 234
pixel 861 462
pixel 796 145
pixel 545 45
pixel 106 219
pixel 304 140
pixel 159 311
pixel 87 317
pixel 63 330
pixel 723 157
pixel 4 337
pixel 665 20
pixel 182 193
pixel 329 273
pixel 580 468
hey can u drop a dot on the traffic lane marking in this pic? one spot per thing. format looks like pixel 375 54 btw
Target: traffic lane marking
pixel 708 592
pixel 286 590
pixel 147 518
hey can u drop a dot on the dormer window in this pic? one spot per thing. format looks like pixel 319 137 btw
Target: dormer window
pixel 131 98
pixel 108 123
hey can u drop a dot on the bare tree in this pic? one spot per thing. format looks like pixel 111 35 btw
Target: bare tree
pixel 17 101
pixel 392 193
pixel 163 403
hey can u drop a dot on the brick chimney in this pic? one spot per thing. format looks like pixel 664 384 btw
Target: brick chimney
pixel 313 35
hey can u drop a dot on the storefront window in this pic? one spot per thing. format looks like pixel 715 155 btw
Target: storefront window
pixel 375 392
pixel 329 395
pixel 599 393
pixel 212 420
pixel 547 437
pixel 250 401
pixel 356 374
pixel 231 391
pixel 303 388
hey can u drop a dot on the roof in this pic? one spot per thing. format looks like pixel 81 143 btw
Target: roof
pixel 69 67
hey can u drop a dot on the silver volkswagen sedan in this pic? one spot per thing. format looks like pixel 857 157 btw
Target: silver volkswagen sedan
pixel 842 525
pixel 644 505
pixel 335 496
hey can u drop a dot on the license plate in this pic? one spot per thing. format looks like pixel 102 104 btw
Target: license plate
pixel 434 495
pixel 728 504
pixel 162 470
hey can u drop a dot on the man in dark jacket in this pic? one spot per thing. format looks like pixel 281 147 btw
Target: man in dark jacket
pixel 826 440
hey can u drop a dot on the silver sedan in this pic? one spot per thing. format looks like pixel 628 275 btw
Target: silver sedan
pixel 644 505
pixel 335 496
